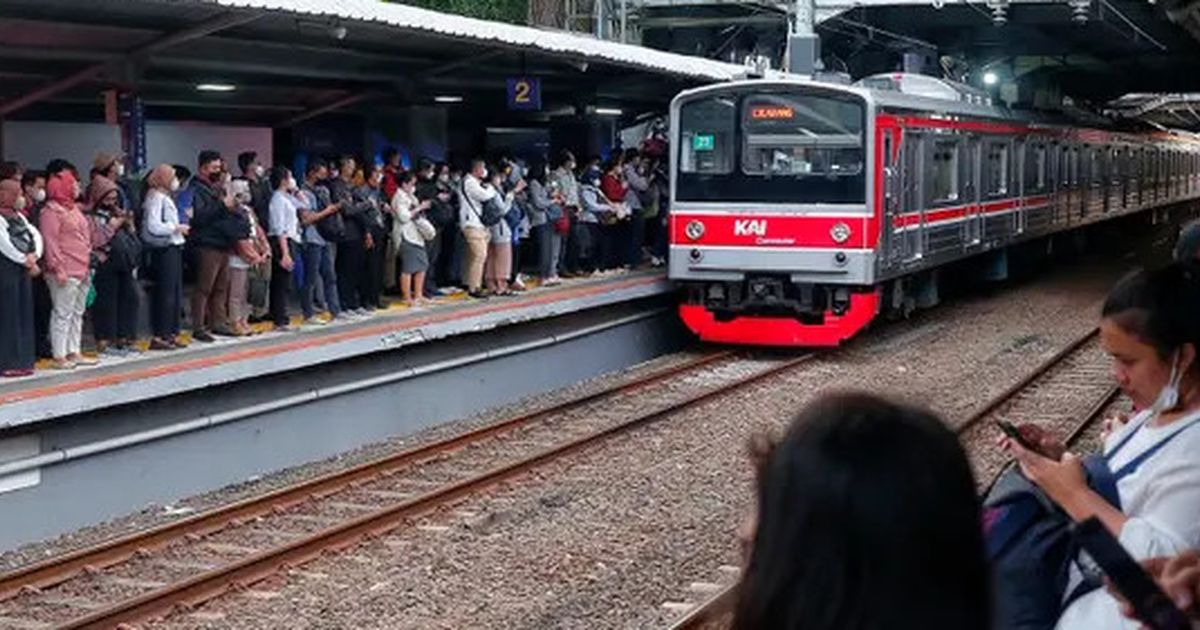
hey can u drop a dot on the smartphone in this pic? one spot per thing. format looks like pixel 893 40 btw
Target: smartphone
pixel 1015 435
pixel 1150 604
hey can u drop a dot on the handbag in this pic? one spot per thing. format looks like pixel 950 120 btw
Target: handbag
pixel 425 228
pixel 21 236
pixel 562 224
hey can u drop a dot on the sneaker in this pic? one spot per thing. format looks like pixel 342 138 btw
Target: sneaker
pixel 203 335
pixel 448 290
pixel 313 321
pixel 519 284
pixel 362 311
pixel 655 261
pixel 552 281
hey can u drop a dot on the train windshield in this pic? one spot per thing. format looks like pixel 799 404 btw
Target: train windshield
pixel 772 147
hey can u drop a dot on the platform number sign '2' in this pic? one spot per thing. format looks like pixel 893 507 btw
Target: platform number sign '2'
pixel 525 94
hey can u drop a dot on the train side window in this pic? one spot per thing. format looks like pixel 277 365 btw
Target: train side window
pixel 1038 164
pixel 995 169
pixel 943 185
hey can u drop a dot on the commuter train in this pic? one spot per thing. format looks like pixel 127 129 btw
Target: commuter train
pixel 800 211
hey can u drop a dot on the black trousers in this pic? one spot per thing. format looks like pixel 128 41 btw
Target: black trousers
pixel 115 311
pixel 371 286
pixel 41 317
pixel 166 294
pixel 351 264
pixel 16 317
pixel 281 282
pixel 433 250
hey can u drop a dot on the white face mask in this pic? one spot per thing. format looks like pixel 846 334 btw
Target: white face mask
pixel 78 190
pixel 1168 397
pixel 333 174
pixel 175 184
pixel 290 184
pixel 120 170
pixel 484 175
pixel 259 170
pixel 21 203
pixel 40 195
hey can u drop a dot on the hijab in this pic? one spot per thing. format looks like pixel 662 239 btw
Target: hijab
pixel 60 190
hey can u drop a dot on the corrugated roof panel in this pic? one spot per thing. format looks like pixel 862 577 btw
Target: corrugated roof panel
pixel 423 20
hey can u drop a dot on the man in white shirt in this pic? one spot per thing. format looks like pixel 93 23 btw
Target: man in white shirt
pixel 472 195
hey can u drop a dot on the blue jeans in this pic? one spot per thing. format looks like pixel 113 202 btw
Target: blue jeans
pixel 318 266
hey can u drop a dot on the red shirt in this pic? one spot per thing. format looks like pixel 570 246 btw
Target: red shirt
pixel 391 181
pixel 613 188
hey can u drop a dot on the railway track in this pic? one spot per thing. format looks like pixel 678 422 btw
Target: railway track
pixel 185 563
pixel 1065 394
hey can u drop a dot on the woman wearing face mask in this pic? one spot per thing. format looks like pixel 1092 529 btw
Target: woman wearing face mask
pixel 117 252
pixel 20 248
pixel 1150 324
pixel 371 287
pixel 67 236
pixel 164 234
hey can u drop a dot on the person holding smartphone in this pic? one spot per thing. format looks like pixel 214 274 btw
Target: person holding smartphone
pixel 1150 326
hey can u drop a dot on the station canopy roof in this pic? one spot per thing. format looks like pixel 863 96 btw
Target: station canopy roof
pixel 290 60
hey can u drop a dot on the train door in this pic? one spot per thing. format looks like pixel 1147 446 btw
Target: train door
pixel 972 226
pixel 1022 181
pixel 892 158
pixel 910 231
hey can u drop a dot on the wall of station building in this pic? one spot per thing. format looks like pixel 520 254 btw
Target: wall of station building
pixel 34 143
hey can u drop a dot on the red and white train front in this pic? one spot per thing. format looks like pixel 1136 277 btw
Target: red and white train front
pixel 772 224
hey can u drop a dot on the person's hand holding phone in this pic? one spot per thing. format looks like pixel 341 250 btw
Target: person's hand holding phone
pixel 1032 438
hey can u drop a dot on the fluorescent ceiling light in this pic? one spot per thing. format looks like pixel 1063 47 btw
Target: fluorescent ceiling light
pixel 608 111
pixel 990 78
pixel 216 87
pixel 448 99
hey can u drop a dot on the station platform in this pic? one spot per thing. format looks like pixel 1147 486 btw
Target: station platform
pixel 80 446
pixel 50 394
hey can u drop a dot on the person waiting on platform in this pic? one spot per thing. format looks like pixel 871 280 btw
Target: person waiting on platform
pixel 563 178
pixel 867 519
pixel 410 231
pixel 351 259
pixel 322 226
pixel 375 218
pixel 1146 490
pixel 472 194
pixel 33 185
pixel 599 216
pixel 616 226
pixel 116 254
pixel 111 166
pixel 164 235
pixel 250 250
pixel 546 208
pixel 637 180
pixel 214 229
pixel 20 249
pixel 499 263
pixel 283 232
pixel 67 240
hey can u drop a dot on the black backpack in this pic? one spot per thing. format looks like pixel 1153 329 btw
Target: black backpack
pixel 492 212
pixel 124 250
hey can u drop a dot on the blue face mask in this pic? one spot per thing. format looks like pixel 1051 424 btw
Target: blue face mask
pixel 1168 397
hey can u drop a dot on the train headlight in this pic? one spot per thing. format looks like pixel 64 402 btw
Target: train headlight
pixel 840 233
pixel 694 230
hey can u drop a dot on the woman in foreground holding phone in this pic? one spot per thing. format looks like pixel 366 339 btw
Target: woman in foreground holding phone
pixel 1150 325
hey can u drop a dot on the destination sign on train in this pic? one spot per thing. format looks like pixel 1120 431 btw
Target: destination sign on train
pixel 772 113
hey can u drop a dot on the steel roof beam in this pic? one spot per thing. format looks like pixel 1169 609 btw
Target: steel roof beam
pixel 207 27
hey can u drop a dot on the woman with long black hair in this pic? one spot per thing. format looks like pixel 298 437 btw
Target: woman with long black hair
pixel 867 520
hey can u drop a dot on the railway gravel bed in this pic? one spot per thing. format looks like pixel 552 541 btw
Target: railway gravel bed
pixel 155 514
pixel 610 536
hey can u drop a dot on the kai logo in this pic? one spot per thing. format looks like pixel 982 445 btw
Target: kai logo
pixel 750 227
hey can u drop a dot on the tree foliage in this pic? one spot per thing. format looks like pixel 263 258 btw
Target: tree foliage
pixel 513 11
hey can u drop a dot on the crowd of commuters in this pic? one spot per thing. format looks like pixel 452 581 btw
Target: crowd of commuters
pixel 336 238
pixel 867 516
